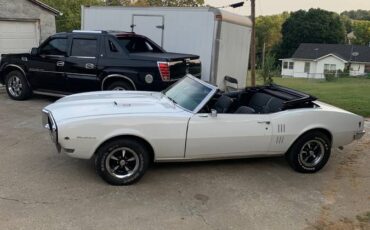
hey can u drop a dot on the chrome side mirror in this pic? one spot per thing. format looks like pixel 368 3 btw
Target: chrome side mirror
pixel 213 113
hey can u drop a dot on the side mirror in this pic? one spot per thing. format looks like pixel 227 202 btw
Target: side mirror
pixel 213 113
pixel 34 51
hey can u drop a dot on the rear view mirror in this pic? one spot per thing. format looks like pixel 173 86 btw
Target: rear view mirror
pixel 34 51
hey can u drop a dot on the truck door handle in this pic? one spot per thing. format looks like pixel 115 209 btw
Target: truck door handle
pixel 60 63
pixel 89 66
pixel 264 122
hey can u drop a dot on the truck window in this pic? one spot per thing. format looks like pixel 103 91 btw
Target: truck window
pixel 138 44
pixel 56 46
pixel 82 47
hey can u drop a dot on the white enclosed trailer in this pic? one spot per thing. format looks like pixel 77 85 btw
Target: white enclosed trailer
pixel 220 38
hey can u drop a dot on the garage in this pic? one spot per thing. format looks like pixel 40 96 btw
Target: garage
pixel 18 36
pixel 25 24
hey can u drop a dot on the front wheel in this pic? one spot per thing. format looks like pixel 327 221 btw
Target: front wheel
pixel 310 152
pixel 17 86
pixel 122 162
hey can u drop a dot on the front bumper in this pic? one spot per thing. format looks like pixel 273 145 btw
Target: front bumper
pixel 359 134
pixel 48 122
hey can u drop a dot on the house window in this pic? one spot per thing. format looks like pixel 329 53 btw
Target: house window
pixel 291 65
pixel 330 67
pixel 285 65
pixel 307 67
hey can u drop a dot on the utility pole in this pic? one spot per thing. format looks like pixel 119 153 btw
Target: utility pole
pixel 253 43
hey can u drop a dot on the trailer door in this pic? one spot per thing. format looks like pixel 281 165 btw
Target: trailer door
pixel 151 26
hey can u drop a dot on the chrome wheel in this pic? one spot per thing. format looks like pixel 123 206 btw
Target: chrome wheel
pixel 119 88
pixel 312 153
pixel 15 86
pixel 122 162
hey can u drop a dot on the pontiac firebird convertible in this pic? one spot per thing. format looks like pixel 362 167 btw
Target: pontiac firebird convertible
pixel 192 120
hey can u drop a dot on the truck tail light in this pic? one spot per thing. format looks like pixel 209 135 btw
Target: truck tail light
pixel 164 70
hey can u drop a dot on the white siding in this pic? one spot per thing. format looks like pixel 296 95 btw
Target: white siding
pixel 316 67
pixel 357 69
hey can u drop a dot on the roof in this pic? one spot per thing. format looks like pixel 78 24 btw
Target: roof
pixel 46 7
pixel 221 15
pixel 350 53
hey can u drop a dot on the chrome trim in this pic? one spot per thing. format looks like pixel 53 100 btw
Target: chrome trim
pixel 16 66
pixel 83 57
pixel 87 31
pixel 118 76
pixel 195 61
pixel 49 94
pixel 51 55
pixel 44 71
pixel 359 134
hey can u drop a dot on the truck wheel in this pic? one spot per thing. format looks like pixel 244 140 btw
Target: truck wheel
pixel 17 86
pixel 122 162
pixel 310 152
pixel 120 85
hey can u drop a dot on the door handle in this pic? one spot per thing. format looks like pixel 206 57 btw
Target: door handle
pixel 60 63
pixel 203 115
pixel 89 66
pixel 264 122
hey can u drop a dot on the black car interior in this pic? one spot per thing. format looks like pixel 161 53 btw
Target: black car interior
pixel 259 100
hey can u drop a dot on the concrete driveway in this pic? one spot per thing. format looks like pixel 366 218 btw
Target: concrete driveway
pixel 40 189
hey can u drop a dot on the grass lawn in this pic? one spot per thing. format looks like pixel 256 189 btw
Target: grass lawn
pixel 352 94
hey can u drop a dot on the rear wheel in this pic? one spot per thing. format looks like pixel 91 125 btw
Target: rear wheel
pixel 17 86
pixel 310 152
pixel 122 162
pixel 120 85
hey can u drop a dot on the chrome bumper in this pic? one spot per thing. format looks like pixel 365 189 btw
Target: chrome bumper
pixel 359 134
pixel 49 123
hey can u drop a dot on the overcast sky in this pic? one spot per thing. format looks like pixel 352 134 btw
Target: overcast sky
pixel 268 7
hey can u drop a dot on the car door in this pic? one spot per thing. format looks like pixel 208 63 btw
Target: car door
pixel 228 135
pixel 81 64
pixel 46 68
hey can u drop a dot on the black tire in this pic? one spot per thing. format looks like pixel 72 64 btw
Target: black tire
pixel 17 86
pixel 128 168
pixel 120 85
pixel 310 152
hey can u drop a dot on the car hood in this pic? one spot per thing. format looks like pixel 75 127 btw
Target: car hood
pixel 111 103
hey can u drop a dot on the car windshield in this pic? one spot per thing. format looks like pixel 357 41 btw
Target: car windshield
pixel 138 44
pixel 188 93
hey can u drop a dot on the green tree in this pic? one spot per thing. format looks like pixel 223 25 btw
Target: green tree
pixel 268 30
pixel 268 69
pixel 312 26
pixel 357 14
pixel 361 30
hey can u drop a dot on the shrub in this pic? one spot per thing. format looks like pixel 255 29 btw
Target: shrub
pixel 330 75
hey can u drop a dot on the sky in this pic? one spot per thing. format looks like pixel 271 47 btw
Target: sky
pixel 269 7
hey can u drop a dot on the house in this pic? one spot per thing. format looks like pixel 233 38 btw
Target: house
pixel 25 24
pixel 312 60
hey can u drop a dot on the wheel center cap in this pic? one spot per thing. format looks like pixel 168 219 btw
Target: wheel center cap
pixel 122 163
pixel 312 152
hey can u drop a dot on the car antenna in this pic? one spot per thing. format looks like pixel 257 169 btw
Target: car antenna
pixel 115 103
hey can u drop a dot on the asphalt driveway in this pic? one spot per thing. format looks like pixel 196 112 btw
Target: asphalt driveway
pixel 40 189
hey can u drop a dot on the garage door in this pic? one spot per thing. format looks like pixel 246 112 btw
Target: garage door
pixel 18 36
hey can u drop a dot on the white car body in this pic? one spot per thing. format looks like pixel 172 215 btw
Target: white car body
pixel 83 122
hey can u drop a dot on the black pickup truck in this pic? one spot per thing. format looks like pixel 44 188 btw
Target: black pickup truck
pixel 83 61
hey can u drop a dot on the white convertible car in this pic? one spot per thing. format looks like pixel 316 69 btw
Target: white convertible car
pixel 192 120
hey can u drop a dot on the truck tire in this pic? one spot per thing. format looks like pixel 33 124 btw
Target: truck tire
pixel 120 85
pixel 17 86
pixel 310 152
pixel 122 161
